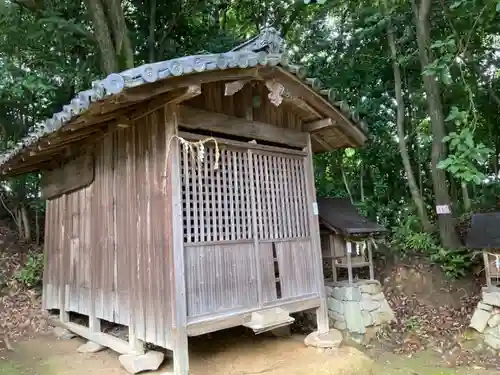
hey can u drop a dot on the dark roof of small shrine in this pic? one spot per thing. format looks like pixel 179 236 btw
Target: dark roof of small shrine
pixel 484 232
pixel 341 216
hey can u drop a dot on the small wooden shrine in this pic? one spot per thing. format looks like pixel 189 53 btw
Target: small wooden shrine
pixel 484 235
pixel 347 238
pixel 181 198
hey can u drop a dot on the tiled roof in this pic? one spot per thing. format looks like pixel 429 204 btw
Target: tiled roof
pixel 266 49
pixel 342 215
pixel 483 232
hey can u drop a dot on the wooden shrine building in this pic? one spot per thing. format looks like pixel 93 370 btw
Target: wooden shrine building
pixel 484 235
pixel 148 229
pixel 347 237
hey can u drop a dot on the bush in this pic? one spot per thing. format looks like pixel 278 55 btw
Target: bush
pixel 409 239
pixel 31 273
pixel 454 263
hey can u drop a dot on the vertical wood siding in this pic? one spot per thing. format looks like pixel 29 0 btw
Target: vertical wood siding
pixel 220 278
pixel 110 241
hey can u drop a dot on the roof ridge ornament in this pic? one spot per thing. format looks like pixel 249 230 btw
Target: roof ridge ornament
pixel 268 40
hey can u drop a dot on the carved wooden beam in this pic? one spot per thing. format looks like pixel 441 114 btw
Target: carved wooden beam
pixel 276 92
pixel 298 89
pixel 193 118
pixel 232 88
pixel 318 125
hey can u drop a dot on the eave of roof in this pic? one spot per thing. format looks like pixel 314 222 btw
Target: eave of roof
pixel 264 50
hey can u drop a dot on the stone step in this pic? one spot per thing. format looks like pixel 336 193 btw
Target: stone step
pixel 269 319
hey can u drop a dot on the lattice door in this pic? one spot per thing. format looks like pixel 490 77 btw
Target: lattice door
pixel 255 201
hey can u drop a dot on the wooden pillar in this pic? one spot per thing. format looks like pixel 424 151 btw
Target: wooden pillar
pixel 331 242
pixel 370 258
pixel 322 311
pixel 348 245
pixel 63 257
pixel 253 200
pixel 180 344
pixel 487 268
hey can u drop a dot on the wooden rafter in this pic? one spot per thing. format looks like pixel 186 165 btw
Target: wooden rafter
pixel 314 126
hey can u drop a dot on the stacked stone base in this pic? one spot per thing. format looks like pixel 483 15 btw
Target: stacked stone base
pixel 358 310
pixel 486 317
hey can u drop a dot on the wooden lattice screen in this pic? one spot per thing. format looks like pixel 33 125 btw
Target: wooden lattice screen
pixel 218 203
pixel 280 196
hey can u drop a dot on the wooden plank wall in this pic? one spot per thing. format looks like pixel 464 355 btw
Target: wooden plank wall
pixel 108 245
pixel 240 104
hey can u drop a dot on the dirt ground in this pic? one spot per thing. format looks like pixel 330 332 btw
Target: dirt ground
pixel 224 355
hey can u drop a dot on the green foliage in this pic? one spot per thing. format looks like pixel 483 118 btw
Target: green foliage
pixel 465 155
pixel 454 263
pixel 408 239
pixel 47 55
pixel 440 68
pixel 413 323
pixel 31 273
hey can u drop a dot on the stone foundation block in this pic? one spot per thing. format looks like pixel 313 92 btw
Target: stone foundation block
pixel 367 318
pixel 484 306
pixel 370 288
pixel 336 316
pixel 335 305
pixel 491 297
pixel 331 339
pixel 494 321
pixel 354 317
pixel 369 304
pixel 479 320
pixel 492 337
pixel 150 361
pixel 347 293
pixel 90 347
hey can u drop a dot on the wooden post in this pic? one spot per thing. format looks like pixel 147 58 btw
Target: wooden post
pixel 370 258
pixel 254 228
pixel 332 254
pixel 312 209
pixel 63 250
pixel 348 245
pixel 135 344
pixel 487 269
pixel 180 345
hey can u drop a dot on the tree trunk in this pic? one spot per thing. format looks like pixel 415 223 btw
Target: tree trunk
pixel 123 45
pixel 403 150
pixel 102 34
pixel 152 27
pixel 361 181
pixel 466 197
pixel 346 184
pixel 25 223
pixel 19 223
pixel 447 232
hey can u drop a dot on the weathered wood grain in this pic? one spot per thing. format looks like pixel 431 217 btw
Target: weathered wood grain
pixel 193 118
pixel 75 174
